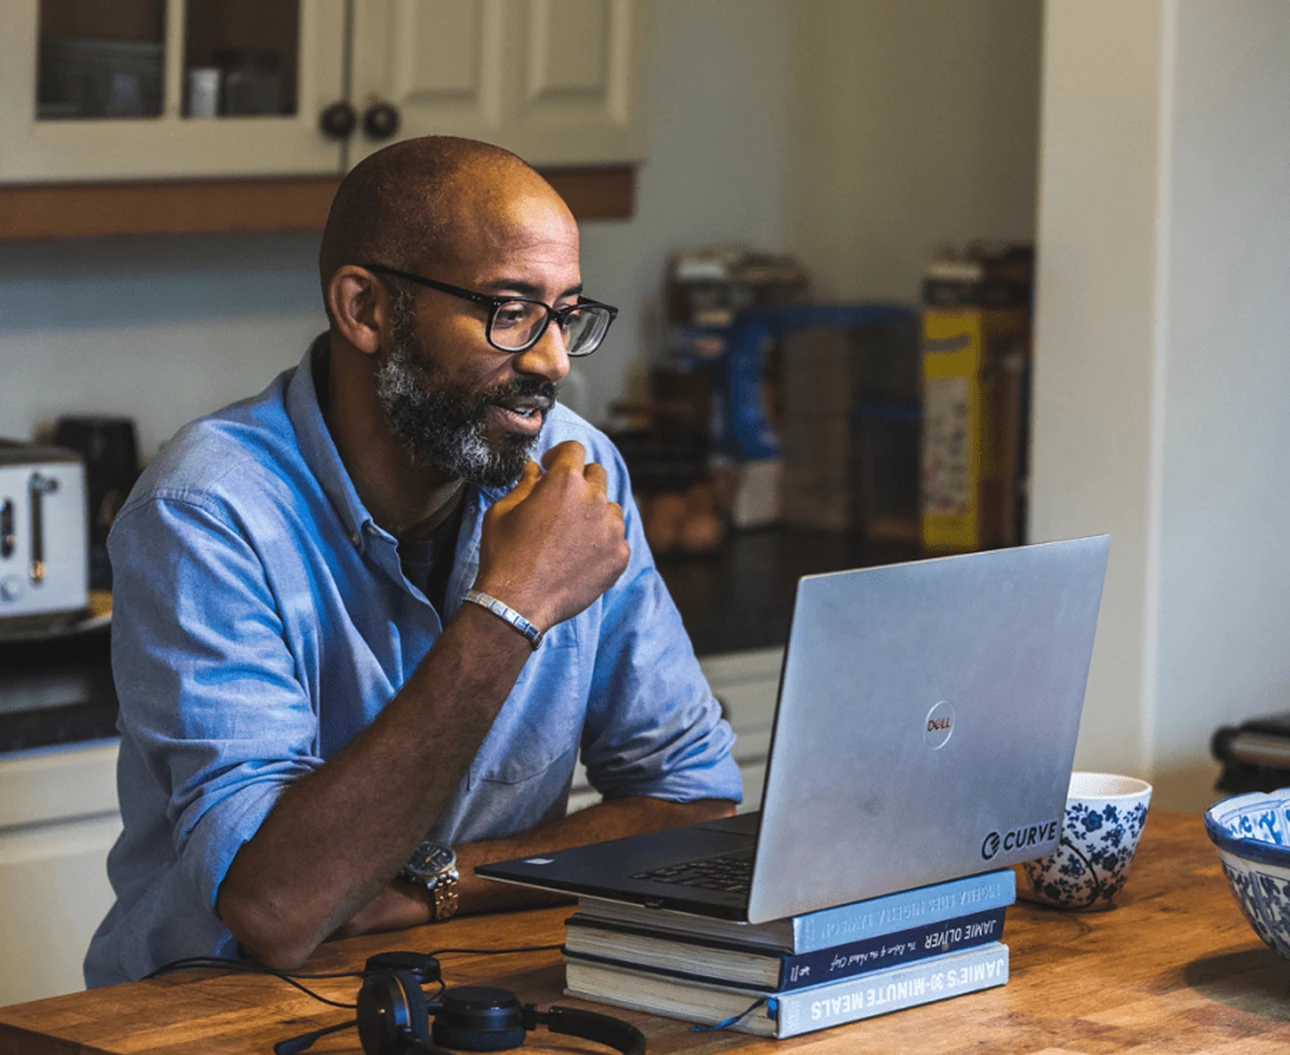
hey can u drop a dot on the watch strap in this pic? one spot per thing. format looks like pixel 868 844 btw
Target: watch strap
pixel 443 897
pixel 509 614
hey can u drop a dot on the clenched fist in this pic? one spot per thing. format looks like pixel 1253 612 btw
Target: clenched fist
pixel 556 542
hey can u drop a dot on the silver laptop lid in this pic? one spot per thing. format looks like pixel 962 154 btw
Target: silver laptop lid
pixel 926 724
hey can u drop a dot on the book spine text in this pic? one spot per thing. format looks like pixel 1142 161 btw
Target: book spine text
pixel 904 910
pixel 919 983
pixel 877 954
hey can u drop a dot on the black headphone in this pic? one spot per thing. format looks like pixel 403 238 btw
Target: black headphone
pixel 394 1015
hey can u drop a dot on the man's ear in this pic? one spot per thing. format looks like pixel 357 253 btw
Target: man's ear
pixel 360 308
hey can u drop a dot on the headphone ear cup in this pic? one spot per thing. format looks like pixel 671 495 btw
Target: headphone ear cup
pixel 479 1018
pixel 426 968
pixel 392 1013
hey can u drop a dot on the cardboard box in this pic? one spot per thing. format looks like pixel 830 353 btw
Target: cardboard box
pixel 821 371
pixel 820 485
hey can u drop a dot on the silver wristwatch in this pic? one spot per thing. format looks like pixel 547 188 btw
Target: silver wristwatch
pixel 433 868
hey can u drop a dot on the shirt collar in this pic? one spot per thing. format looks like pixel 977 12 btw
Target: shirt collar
pixel 317 446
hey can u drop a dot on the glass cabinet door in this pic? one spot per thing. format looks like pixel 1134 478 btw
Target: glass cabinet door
pixel 100 60
pixel 241 58
pixel 95 90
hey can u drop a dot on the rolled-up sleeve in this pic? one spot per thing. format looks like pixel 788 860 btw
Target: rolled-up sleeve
pixel 653 726
pixel 207 685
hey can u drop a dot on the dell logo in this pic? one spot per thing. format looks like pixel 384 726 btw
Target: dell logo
pixel 991 845
pixel 938 725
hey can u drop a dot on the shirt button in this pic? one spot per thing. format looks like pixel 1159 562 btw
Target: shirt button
pixel 356 538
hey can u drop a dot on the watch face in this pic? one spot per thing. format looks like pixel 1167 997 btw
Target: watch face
pixel 432 858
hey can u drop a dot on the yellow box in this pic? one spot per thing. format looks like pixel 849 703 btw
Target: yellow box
pixel 976 353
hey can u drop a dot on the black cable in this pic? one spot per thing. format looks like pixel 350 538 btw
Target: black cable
pixel 295 1045
pixel 192 963
pixel 497 952
pixel 225 963
pixel 309 992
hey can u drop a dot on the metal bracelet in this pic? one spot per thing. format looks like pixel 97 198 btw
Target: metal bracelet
pixel 506 612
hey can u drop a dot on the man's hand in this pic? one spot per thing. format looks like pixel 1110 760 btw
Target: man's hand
pixel 556 542
pixel 548 549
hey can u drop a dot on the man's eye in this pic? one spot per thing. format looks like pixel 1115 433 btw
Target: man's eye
pixel 510 315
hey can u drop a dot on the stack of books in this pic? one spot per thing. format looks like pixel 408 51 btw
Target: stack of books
pixel 794 975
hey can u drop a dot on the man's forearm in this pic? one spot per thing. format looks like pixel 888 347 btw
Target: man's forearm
pixel 338 836
pixel 399 906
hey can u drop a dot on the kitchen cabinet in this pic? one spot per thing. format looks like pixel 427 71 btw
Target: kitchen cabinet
pixel 553 80
pixel 92 92
pixel 58 820
pixel 746 684
pixel 96 92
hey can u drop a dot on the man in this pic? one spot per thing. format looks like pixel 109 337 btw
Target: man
pixel 317 710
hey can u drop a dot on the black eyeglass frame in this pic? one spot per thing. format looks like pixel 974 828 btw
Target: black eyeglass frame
pixel 494 303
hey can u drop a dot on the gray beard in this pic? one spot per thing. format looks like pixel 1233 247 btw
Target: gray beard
pixel 443 426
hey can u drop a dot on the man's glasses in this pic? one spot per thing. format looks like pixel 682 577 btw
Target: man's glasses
pixel 517 323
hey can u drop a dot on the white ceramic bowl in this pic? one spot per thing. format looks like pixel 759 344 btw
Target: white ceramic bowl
pixel 1104 818
pixel 1252 833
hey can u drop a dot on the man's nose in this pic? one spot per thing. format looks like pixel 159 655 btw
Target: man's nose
pixel 549 358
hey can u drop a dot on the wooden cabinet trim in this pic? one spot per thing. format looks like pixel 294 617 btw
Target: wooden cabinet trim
pixel 101 210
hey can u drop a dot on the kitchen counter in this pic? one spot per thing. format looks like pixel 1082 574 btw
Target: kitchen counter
pixel 741 598
pixel 56 691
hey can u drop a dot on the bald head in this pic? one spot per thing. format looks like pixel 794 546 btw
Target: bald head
pixel 421 204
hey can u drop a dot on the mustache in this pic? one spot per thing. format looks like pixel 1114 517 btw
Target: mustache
pixel 523 388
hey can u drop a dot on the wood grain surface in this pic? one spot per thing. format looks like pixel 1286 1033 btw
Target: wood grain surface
pixel 1173 968
pixel 219 206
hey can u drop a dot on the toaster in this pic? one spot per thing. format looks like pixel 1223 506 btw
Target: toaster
pixel 44 529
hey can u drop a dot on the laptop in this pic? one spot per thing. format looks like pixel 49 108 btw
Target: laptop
pixel 925 730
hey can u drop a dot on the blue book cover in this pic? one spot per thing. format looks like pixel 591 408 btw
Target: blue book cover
pixel 812 931
pixel 800 1010
pixel 758 969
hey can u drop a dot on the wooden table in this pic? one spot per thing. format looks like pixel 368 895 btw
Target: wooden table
pixel 1173 968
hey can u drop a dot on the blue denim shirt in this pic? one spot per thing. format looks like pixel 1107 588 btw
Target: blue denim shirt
pixel 262 620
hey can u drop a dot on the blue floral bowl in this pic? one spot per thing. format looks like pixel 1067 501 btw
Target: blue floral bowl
pixel 1252 833
pixel 1104 818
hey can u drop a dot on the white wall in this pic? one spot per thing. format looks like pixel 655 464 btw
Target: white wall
pixel 1094 374
pixel 719 111
pixel 159 329
pixel 1224 625
pixel 165 329
pixel 916 125
pixel 1161 407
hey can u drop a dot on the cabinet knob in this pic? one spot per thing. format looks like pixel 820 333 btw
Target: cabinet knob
pixel 338 121
pixel 381 121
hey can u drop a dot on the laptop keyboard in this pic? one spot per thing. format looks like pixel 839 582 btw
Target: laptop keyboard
pixel 729 874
